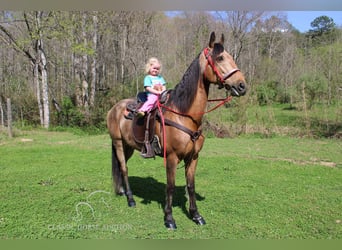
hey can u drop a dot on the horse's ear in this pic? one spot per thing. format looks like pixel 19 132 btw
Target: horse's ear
pixel 222 39
pixel 212 39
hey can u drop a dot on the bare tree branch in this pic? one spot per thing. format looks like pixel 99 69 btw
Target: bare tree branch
pixel 15 45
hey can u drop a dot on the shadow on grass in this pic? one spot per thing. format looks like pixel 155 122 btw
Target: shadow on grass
pixel 149 189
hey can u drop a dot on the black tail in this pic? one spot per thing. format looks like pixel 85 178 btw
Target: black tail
pixel 116 173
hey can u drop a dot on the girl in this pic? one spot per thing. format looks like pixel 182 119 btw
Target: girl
pixel 154 85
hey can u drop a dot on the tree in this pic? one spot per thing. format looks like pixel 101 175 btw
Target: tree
pixel 239 23
pixel 33 49
pixel 93 63
pixel 323 30
pixel 322 25
pixel 312 86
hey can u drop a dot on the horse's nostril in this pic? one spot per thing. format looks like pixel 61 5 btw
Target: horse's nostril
pixel 242 86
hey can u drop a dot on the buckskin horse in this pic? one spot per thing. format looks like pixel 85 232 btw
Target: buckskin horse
pixel 179 130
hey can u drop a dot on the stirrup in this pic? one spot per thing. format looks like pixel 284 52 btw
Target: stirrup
pixel 147 151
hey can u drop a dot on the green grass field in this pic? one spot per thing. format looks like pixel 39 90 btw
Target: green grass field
pixel 58 185
pixel 321 121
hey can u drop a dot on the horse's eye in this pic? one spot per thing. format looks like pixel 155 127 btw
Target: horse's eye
pixel 219 59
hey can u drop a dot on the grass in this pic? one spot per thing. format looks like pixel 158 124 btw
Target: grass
pixel 280 119
pixel 58 185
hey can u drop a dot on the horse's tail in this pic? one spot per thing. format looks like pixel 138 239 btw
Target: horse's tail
pixel 116 173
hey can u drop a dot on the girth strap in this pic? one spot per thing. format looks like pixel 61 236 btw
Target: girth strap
pixel 194 135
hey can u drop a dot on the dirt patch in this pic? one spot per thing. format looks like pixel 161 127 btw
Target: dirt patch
pixel 26 140
pixel 302 162
pixel 328 164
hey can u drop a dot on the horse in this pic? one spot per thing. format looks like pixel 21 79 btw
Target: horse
pixel 181 139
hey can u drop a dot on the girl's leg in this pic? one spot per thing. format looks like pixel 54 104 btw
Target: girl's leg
pixel 148 105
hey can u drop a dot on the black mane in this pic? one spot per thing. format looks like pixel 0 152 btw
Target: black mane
pixel 184 93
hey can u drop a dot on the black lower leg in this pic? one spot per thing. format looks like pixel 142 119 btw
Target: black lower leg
pixel 129 194
pixel 169 222
pixel 193 212
pixel 130 199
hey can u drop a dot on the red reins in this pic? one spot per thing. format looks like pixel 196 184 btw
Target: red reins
pixel 222 101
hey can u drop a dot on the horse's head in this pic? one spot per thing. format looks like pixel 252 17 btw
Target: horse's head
pixel 221 69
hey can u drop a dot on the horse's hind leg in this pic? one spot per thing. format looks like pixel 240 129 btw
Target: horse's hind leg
pixel 116 173
pixel 120 172
pixel 129 193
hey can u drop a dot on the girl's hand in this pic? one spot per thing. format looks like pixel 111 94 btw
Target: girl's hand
pixel 158 87
pixel 153 91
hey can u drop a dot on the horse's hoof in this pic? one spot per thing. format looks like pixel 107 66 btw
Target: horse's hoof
pixel 170 225
pixel 131 203
pixel 199 220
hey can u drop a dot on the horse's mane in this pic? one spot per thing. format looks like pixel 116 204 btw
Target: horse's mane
pixel 184 93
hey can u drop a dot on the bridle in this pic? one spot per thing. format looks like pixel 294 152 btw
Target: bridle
pixel 221 78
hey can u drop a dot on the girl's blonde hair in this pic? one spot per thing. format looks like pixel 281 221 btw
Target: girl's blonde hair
pixel 150 62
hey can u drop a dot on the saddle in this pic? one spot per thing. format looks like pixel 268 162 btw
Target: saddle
pixel 143 128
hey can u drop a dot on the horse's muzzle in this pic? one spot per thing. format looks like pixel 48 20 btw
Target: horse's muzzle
pixel 239 89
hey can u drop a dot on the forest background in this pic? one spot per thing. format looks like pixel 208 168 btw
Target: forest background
pixel 67 68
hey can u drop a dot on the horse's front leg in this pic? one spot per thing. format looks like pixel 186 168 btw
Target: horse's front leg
pixel 190 169
pixel 171 167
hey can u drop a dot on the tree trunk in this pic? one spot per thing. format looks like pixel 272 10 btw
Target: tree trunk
pixel 37 84
pixel 307 119
pixel 45 91
pixel 9 118
pixel 84 66
pixel 93 64
pixel 1 113
pixel 44 76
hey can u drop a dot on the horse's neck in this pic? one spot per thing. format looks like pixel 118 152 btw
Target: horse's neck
pixel 199 104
